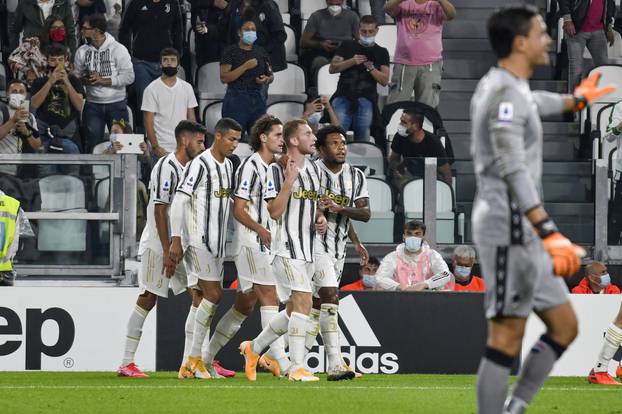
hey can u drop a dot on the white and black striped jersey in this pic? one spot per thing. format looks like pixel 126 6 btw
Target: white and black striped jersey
pixel 165 177
pixel 294 232
pixel 209 183
pixel 344 188
pixel 250 180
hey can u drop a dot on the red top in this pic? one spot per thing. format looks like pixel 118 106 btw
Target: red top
pixel 594 19
pixel 584 287
pixel 358 285
pixel 475 285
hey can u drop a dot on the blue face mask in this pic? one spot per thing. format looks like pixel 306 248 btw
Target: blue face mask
pixel 413 243
pixel 462 272
pixel 249 37
pixel 314 118
pixel 369 281
pixel 605 280
pixel 368 41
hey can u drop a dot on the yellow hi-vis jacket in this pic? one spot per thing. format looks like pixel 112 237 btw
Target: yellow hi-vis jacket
pixel 9 209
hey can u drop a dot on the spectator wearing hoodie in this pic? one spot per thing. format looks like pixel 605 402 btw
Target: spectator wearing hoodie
pixel 105 68
pixel 30 18
pixel 147 27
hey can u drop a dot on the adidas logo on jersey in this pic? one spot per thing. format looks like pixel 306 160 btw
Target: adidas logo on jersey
pixel 305 194
pixel 363 338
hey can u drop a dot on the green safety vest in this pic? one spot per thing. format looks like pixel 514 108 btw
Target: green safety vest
pixel 9 208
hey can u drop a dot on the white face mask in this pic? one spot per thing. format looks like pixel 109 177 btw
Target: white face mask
pixel 334 10
pixel 16 99
pixel 412 243
pixel 402 130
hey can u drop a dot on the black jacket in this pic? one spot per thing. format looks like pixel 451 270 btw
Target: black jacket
pixel 577 9
pixel 29 19
pixel 208 46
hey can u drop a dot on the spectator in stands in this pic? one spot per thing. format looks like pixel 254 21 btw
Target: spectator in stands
pixel 54 31
pixel 413 266
pixel 89 7
pixel 586 23
pixel 206 16
pixel 58 96
pixel 245 69
pixel 167 101
pixel 362 65
pixel 26 61
pixel 325 31
pixel 105 68
pixel 614 133
pixel 367 276
pixel 419 50
pixel 410 145
pixel 30 16
pixel 318 110
pixel 377 10
pixel 596 281
pixel 148 26
pixel 463 261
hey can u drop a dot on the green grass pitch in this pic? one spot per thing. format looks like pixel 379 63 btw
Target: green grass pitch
pixel 103 392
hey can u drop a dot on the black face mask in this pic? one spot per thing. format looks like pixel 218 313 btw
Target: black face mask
pixel 51 68
pixel 169 71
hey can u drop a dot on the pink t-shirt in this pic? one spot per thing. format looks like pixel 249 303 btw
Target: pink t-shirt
pixel 419 33
pixel 594 19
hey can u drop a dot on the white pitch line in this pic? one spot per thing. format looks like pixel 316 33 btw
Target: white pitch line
pixel 259 387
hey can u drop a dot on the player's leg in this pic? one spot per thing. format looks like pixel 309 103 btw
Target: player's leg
pixel 313 328
pixel 275 360
pixel 611 344
pixel 145 302
pixel 329 326
pixel 184 370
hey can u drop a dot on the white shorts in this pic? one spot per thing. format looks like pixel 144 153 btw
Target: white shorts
pixel 201 264
pixel 253 268
pixel 327 272
pixel 151 278
pixel 292 275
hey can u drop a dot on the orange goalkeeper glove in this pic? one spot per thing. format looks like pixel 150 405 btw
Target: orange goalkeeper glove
pixel 566 255
pixel 588 91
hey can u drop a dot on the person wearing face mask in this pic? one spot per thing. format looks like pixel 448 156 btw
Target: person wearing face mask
pixel 413 266
pixel 596 281
pixel 31 18
pixel 246 69
pixel 319 109
pixel 411 144
pixel 167 101
pixel 324 32
pixel 464 259
pixel 367 276
pixel 362 65
pixel 54 31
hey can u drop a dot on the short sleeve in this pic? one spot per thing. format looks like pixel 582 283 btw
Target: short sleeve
pixel 192 178
pixel 398 144
pixel 383 58
pixel 192 99
pixel 360 189
pixel 37 85
pixel 439 151
pixel 227 56
pixel 344 50
pixel 313 24
pixel 150 103
pixel 77 85
pixel 245 177
pixel 166 183
pixel 273 182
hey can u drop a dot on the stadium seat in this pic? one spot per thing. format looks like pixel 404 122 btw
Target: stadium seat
pixel 368 157
pixel 290 81
pixel 307 7
pixel 290 45
pixel 602 147
pixel 449 223
pixel 379 228
pixel 243 151
pixel 387 37
pixel 130 116
pixel 616 172
pixel 610 74
pixel 62 193
pixel 283 5
pixel 209 87
pixel 212 114
pixel 286 110
pixel 326 81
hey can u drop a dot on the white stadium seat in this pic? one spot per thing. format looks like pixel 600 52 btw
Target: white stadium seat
pixel 286 110
pixel 243 151
pixel 326 81
pixel 307 7
pixel 212 114
pixel 379 228
pixel 368 157
pixel 290 81
pixel 387 38
pixel 290 44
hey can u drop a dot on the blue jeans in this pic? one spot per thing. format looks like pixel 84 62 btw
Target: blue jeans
pixel 69 147
pixel 144 73
pixel 359 121
pixel 96 116
pixel 245 106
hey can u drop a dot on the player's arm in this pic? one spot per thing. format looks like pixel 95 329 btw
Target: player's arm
pixel 392 7
pixel 181 204
pixel 278 202
pixel 241 215
pixel 585 93
pixel 358 246
pixel 359 212
pixel 321 224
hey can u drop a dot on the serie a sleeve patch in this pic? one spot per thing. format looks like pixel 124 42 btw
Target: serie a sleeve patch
pixel 506 111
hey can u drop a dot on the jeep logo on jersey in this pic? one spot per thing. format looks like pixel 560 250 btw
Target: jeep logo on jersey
pixel 35 346
pixel 363 337
pixel 305 194
pixel 222 193
pixel 339 199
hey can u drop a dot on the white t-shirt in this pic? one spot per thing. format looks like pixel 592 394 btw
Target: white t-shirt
pixel 46 7
pixel 169 105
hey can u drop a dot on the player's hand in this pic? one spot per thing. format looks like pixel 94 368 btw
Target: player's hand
pixel 569 28
pixel 588 91
pixel 175 252
pixel 321 225
pixel 291 172
pixel 327 203
pixel 362 252
pixel 168 265
pixel 566 255
pixel 265 237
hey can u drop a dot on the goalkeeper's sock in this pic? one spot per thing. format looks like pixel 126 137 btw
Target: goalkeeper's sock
pixel 188 331
pixel 613 339
pixel 533 373
pixel 226 329
pixel 202 322
pixel 134 332
pixel 275 328
pixel 313 329
pixel 330 334
pixel 492 381
pixel 297 331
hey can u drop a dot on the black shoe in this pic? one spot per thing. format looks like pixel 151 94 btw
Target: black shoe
pixel 340 375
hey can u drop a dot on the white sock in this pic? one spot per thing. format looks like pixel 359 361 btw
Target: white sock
pixel 613 339
pixel 134 332
pixel 313 329
pixel 205 345
pixel 226 329
pixel 202 322
pixel 298 323
pixel 189 330
pixel 329 324
pixel 275 328
pixel 277 348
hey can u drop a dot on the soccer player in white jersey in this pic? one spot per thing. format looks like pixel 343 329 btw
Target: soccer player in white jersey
pixel 344 197
pixel 292 196
pixel 158 272
pixel 201 209
pixel 252 247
